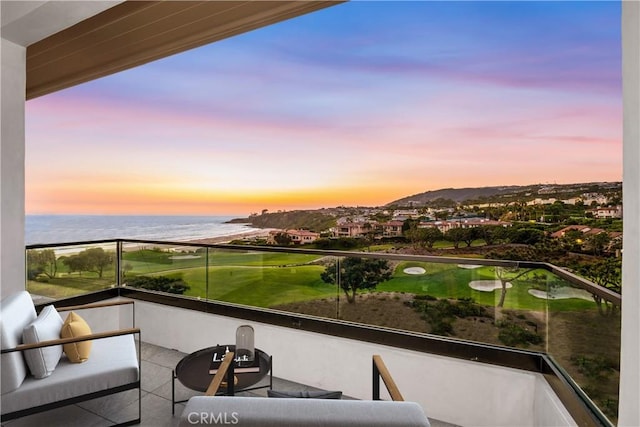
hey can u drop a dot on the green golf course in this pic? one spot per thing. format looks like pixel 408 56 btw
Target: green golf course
pixel 265 279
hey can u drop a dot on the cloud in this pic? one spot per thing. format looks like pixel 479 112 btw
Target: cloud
pixel 364 100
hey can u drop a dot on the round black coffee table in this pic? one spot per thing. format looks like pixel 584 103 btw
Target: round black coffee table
pixel 193 371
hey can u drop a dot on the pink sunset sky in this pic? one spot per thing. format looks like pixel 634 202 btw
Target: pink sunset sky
pixel 359 104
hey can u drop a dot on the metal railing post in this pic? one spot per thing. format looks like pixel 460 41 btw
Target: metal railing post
pixel 206 274
pixel 119 264
pixel 376 381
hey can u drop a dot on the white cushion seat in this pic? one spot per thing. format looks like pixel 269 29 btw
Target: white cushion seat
pixel 16 312
pixel 112 367
pixel 113 362
pixel 264 412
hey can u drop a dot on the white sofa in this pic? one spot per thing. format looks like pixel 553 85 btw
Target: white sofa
pixel 266 412
pixel 113 365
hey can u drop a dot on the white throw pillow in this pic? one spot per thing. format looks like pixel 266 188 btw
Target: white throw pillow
pixel 42 361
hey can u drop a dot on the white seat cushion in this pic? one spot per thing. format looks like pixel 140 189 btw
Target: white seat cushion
pixel 113 362
pixel 42 361
pixel 261 412
pixel 16 312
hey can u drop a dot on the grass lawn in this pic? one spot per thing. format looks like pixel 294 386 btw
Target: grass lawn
pixel 266 279
pixel 151 261
pixel 445 244
pixel 260 287
pixel 68 286
pixel 269 279
pixel 451 281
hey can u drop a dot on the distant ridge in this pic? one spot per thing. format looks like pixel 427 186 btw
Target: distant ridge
pixel 458 194
pixel 478 193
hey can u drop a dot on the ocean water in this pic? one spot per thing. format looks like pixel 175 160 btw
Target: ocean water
pixel 43 229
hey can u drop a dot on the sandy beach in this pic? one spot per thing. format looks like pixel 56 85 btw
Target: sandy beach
pixel 226 239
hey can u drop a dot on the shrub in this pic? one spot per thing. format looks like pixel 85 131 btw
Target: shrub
pixel 513 335
pixel 160 283
pixel 442 327
pixel 593 367
pixel 425 298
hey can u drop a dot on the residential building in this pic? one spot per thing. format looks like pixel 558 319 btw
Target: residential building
pixel 352 229
pixel 539 201
pixel 614 212
pixel 391 228
pixel 584 229
pixel 298 237
pixel 445 226
pixel 590 198
pixel 408 213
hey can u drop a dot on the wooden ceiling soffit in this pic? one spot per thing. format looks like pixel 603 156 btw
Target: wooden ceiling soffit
pixel 136 32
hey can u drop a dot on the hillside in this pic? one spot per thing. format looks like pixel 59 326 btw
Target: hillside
pixel 322 219
pixel 457 194
pixel 499 193
pixel 309 220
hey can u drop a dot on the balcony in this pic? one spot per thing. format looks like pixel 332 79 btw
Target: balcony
pixel 474 342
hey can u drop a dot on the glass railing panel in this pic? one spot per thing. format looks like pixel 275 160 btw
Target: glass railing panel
pixel 56 272
pixel 584 338
pixel 531 306
pixel 178 269
pixel 474 302
pixel 278 280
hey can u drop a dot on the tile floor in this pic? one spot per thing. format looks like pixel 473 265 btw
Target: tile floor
pixel 157 366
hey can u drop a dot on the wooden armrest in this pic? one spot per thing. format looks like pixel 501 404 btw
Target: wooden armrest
pixel 392 388
pixel 60 341
pixel 219 376
pixel 94 305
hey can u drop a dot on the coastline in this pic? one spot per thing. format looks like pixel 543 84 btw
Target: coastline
pixel 230 237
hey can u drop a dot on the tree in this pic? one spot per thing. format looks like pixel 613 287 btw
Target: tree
pixel 424 237
pixel 598 243
pixel 92 259
pixel 443 215
pixel 97 260
pixel 126 268
pixel 492 233
pixel 409 224
pixel 41 262
pixel 352 274
pixel 608 274
pixel 282 239
pixel 527 236
pixel 75 263
pixel 470 234
pixel 506 275
pixel 430 236
pixel 573 240
pixel 455 236
pixel 413 234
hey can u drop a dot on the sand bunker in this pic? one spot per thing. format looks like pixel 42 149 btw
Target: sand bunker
pixel 414 270
pixel 487 285
pixel 185 257
pixel 562 293
pixel 469 266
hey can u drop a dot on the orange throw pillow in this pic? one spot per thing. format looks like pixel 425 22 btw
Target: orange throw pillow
pixel 75 326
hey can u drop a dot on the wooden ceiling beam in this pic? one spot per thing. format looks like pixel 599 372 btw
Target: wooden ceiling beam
pixel 136 32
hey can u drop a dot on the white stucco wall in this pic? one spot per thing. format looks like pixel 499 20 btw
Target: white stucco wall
pixel 12 263
pixel 105 319
pixel 629 411
pixel 453 390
